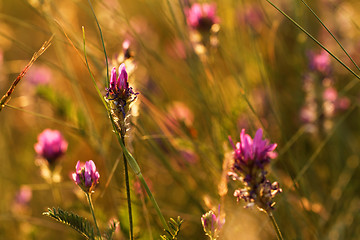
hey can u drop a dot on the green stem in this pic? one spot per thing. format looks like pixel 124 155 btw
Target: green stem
pixel 93 214
pixel 276 227
pixel 54 189
pixel 153 201
pixel 128 196
pixel 314 39
pixel 136 169
pixel 332 35
pixel 103 44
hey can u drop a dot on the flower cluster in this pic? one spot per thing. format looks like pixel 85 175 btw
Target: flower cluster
pixel 201 16
pixel 86 176
pixel 119 96
pixel 212 224
pixel 322 102
pixel 51 145
pixel 251 156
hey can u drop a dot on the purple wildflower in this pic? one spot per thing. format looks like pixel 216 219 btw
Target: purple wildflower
pixel 251 156
pixel 119 97
pixel 212 224
pixel 86 176
pixel 249 152
pixel 201 16
pixel 51 145
pixel 119 87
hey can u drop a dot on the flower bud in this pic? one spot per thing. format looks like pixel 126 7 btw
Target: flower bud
pixel 86 176
pixel 211 224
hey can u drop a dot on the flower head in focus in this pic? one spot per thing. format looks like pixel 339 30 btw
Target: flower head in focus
pixel 51 145
pixel 119 86
pixel 119 96
pixel 86 176
pixel 249 152
pixel 251 156
pixel 201 16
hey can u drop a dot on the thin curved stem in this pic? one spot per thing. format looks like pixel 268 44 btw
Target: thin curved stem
pixel 332 35
pixel 92 213
pixel 103 44
pixel 276 227
pixel 314 39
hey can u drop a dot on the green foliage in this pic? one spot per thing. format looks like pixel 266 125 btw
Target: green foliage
pixel 110 230
pixel 174 229
pixel 80 224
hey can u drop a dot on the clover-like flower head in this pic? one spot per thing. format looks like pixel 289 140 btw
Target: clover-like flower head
pixel 86 176
pixel 51 145
pixel 201 16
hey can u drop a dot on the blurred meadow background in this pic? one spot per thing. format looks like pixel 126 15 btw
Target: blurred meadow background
pixel 249 68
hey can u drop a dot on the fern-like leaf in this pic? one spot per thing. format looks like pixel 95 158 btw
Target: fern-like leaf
pixel 111 229
pixel 174 231
pixel 80 224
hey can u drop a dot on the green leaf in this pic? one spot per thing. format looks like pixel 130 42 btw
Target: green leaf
pixel 80 224
pixel 111 229
pixel 174 231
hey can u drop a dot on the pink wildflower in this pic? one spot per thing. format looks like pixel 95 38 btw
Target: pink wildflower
pixel 250 158
pixel 201 16
pixel 39 75
pixel 86 176
pixel 212 224
pixel 51 145
pixel 250 151
pixel 320 62
pixel 120 91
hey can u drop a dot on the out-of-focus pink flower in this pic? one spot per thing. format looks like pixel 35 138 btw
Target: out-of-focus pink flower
pixel 21 201
pixel 342 103
pixel 308 114
pixel 330 94
pixel 250 152
pixel 253 16
pixel 176 49
pixel 201 16
pixel 320 62
pixel 39 75
pixel 189 156
pixel 23 196
pixel 179 112
pixel 51 145
pixel 86 176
